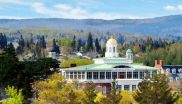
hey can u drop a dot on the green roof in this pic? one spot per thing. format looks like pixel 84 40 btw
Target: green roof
pixel 111 58
pixel 129 51
pixel 108 67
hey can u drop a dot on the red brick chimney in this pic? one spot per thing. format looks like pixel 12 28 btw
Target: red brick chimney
pixel 72 65
pixel 159 65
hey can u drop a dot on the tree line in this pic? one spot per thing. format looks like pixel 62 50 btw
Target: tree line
pixel 22 74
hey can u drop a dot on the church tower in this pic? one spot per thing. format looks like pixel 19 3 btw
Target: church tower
pixel 111 48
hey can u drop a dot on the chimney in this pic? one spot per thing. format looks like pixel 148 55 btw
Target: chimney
pixel 157 64
pixel 72 65
pixel 161 63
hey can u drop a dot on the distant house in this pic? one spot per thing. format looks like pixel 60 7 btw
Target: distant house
pixel 72 55
pixel 81 54
pixel 173 71
pixel 15 44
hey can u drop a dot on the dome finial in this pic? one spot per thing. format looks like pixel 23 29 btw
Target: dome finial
pixel 111 37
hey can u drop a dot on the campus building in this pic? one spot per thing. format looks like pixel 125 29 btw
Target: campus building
pixel 105 69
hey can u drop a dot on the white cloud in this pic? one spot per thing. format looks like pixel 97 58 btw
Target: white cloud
pixel 180 7
pixel 63 7
pixel 66 11
pixel 11 17
pixel 170 8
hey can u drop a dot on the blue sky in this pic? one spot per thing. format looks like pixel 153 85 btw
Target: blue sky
pixel 84 9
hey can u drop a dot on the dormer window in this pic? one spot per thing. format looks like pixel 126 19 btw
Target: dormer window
pixel 180 70
pixel 168 70
pixel 173 70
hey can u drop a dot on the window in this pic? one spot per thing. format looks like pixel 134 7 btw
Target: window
pixel 108 75
pixel 135 75
pixel 67 75
pixel 177 78
pixel 119 87
pixel 95 75
pixel 102 75
pixel 79 75
pixel 121 66
pixel 148 74
pixel 173 70
pixel 133 87
pixel 83 75
pixel 113 49
pixel 127 87
pixel 114 75
pixel 109 49
pixel 89 75
pixel 141 75
pixel 168 70
pixel 75 75
pixel 71 75
pixel 180 70
pixel 129 75
pixel 122 75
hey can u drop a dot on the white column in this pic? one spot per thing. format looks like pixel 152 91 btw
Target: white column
pixel 122 87
pixel 117 75
pixel 115 49
pixel 151 74
pixel 99 75
pixel 144 75
pixel 85 75
pixel 130 86
pixel 92 75
pixel 105 75
pixel 132 74
pixel 138 74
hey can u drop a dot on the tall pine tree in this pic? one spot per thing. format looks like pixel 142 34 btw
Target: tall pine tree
pixel 79 44
pixel 73 44
pixel 155 91
pixel 89 42
pixel 97 45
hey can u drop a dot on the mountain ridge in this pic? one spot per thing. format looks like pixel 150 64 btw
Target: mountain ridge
pixel 166 25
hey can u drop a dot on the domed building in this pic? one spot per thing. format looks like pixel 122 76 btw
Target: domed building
pixel 105 69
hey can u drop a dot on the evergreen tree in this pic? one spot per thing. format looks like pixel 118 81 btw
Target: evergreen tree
pixel 97 45
pixel 55 47
pixel 155 91
pixel 3 41
pixel 42 42
pixel 89 42
pixel 31 39
pixel 79 45
pixel 73 44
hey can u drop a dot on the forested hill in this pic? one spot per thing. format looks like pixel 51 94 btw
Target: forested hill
pixel 169 25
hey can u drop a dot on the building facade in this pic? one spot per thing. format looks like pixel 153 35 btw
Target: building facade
pixel 174 71
pixel 106 69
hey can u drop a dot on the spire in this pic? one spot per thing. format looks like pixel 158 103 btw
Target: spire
pixel 111 37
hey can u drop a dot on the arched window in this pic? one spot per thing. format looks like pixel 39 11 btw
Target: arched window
pixel 173 70
pixel 113 49
pixel 180 70
pixel 168 70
